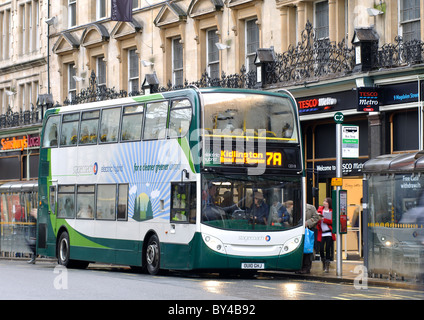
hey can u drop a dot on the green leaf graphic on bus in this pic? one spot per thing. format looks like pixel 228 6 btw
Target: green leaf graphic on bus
pixel 143 208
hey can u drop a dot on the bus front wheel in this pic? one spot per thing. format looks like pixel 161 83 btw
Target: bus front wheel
pixel 152 255
pixel 63 249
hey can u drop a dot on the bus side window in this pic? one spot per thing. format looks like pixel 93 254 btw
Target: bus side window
pixel 123 202
pixel 132 122
pixel 155 123
pixel 89 127
pixel 51 132
pixel 52 199
pixel 179 118
pixel 66 202
pixel 109 126
pixel 69 134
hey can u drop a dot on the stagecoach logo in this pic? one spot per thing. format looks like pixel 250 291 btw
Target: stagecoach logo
pixel 85 170
pixel 267 238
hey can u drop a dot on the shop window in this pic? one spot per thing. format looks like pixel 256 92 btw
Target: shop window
pixel 183 202
pixel 405 124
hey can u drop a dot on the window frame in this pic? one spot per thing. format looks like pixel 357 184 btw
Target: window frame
pixel 102 110
pixel 82 120
pixel 72 13
pixel 77 193
pixel 170 107
pixel 208 49
pixel 121 139
pixel 69 121
pixel 158 136
pixel 248 54
pixel 97 186
pixel 131 79
pixel 60 192
pixel 177 69
pixel 59 120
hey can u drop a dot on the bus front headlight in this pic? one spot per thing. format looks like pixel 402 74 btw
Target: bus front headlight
pixel 291 245
pixel 214 243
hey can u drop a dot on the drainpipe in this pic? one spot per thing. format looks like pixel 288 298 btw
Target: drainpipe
pixel 48 48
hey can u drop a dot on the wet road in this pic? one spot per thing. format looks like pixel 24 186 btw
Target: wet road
pixel 47 280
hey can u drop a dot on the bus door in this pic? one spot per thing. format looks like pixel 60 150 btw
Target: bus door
pixel 182 222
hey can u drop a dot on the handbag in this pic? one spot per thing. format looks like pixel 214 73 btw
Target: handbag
pixel 309 241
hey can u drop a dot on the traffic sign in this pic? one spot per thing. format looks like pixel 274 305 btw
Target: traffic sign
pixel 339 117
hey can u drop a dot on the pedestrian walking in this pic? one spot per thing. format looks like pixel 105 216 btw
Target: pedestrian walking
pixel 325 235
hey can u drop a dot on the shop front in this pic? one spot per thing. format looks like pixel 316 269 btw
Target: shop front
pixel 19 156
pixel 319 137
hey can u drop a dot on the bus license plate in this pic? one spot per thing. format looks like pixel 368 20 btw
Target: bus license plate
pixel 252 265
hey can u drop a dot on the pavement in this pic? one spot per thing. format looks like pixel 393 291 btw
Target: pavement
pixel 353 271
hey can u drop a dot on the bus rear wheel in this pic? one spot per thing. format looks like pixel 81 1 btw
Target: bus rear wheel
pixel 152 255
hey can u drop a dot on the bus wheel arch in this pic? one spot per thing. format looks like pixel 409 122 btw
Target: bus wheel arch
pixel 63 251
pixel 151 253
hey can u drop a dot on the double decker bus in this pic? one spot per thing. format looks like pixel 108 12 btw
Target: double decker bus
pixel 209 179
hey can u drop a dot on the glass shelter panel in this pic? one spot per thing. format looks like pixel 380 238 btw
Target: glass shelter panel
pixel 396 225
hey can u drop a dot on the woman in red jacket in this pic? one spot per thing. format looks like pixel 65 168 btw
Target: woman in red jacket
pixel 325 236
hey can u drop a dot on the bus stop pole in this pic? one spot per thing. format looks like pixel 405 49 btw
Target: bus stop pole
pixel 338 188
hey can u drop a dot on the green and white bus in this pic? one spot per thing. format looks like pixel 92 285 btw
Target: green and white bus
pixel 209 179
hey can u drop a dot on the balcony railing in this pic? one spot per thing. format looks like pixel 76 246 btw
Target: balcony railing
pixel 22 118
pixel 311 60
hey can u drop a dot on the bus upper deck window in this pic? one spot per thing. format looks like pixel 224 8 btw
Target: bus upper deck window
pixel 179 119
pixel 51 132
pixel 69 134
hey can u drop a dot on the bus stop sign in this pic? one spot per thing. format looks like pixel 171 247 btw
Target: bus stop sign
pixel 339 117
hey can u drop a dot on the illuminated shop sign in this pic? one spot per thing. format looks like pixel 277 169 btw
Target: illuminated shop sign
pixel 368 99
pixel 19 143
pixel 316 104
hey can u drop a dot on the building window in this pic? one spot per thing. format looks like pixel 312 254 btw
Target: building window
pixel 410 19
pixel 72 13
pixel 134 4
pixel 101 72
pixel 252 43
pixel 322 20
pixel 177 62
pixel 6 29
pixel 133 71
pixel 72 84
pixel 101 9
pixel 212 54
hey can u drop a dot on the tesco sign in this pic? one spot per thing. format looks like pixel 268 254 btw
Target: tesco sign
pixel 368 99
